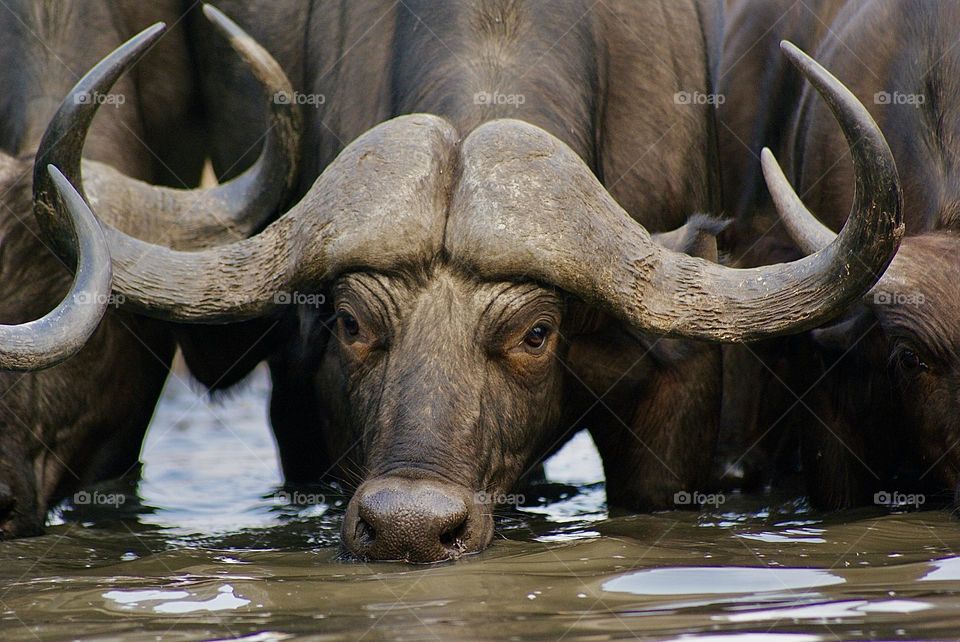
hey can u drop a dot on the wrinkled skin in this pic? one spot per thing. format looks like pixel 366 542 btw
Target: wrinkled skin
pixel 412 397
pixel 880 389
pixel 83 420
pixel 431 375
pixel 398 382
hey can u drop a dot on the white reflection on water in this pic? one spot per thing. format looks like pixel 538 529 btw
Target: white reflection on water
pixel 578 462
pixel 945 570
pixel 712 580
pixel 799 535
pixel 173 602
pixel 225 600
pixel 208 465
pixel 755 637
pixel 135 597
pixel 827 611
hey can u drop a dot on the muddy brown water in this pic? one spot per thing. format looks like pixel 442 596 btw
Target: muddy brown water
pixel 207 547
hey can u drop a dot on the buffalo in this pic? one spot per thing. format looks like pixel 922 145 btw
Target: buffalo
pixel 82 418
pixel 482 278
pixel 872 397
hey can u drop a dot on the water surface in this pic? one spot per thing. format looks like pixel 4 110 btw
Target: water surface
pixel 208 546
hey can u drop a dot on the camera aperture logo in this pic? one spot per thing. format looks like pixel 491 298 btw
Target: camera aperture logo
pixel 696 498
pixel 496 98
pixel 693 299
pixel 884 297
pixel 93 298
pixel 299 498
pixel 298 98
pixel 500 499
pixel 299 298
pixel 99 498
pixel 898 98
pixel 698 98
pixel 97 98
pixel 896 499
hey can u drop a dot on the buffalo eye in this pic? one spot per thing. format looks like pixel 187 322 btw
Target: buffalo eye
pixel 910 361
pixel 349 324
pixel 536 338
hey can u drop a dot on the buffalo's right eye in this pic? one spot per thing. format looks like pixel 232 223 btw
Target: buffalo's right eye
pixel 536 337
pixel 911 361
pixel 349 324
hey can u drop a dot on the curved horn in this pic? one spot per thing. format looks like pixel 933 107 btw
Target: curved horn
pixel 185 219
pixel 805 229
pixel 381 203
pixel 527 206
pixel 63 332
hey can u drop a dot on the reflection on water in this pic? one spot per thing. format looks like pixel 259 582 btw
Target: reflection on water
pixel 172 602
pixel 209 546
pixel 701 580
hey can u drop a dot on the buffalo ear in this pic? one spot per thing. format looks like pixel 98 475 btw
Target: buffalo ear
pixel 697 237
pixel 846 332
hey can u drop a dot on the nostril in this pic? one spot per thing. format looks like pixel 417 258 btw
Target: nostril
pixel 364 534
pixel 455 537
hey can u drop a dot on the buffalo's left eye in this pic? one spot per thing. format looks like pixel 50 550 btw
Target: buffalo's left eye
pixel 537 337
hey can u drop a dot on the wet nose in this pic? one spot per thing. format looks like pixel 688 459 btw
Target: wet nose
pixel 414 520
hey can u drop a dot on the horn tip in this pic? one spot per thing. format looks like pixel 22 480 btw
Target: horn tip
pixel 209 10
pixel 794 54
pixel 767 160
pixel 788 47
pixel 149 35
pixel 220 20
pixel 55 173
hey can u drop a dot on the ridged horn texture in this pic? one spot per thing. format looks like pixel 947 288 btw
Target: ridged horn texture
pixel 63 332
pixel 527 206
pixel 379 205
pixel 183 219
pixel 869 151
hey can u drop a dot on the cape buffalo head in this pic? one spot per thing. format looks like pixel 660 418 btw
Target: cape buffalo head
pixel 462 272
pixel 904 337
pixel 53 436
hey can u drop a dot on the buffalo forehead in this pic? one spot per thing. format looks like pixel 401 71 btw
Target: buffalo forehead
pixel 520 190
pixel 480 203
